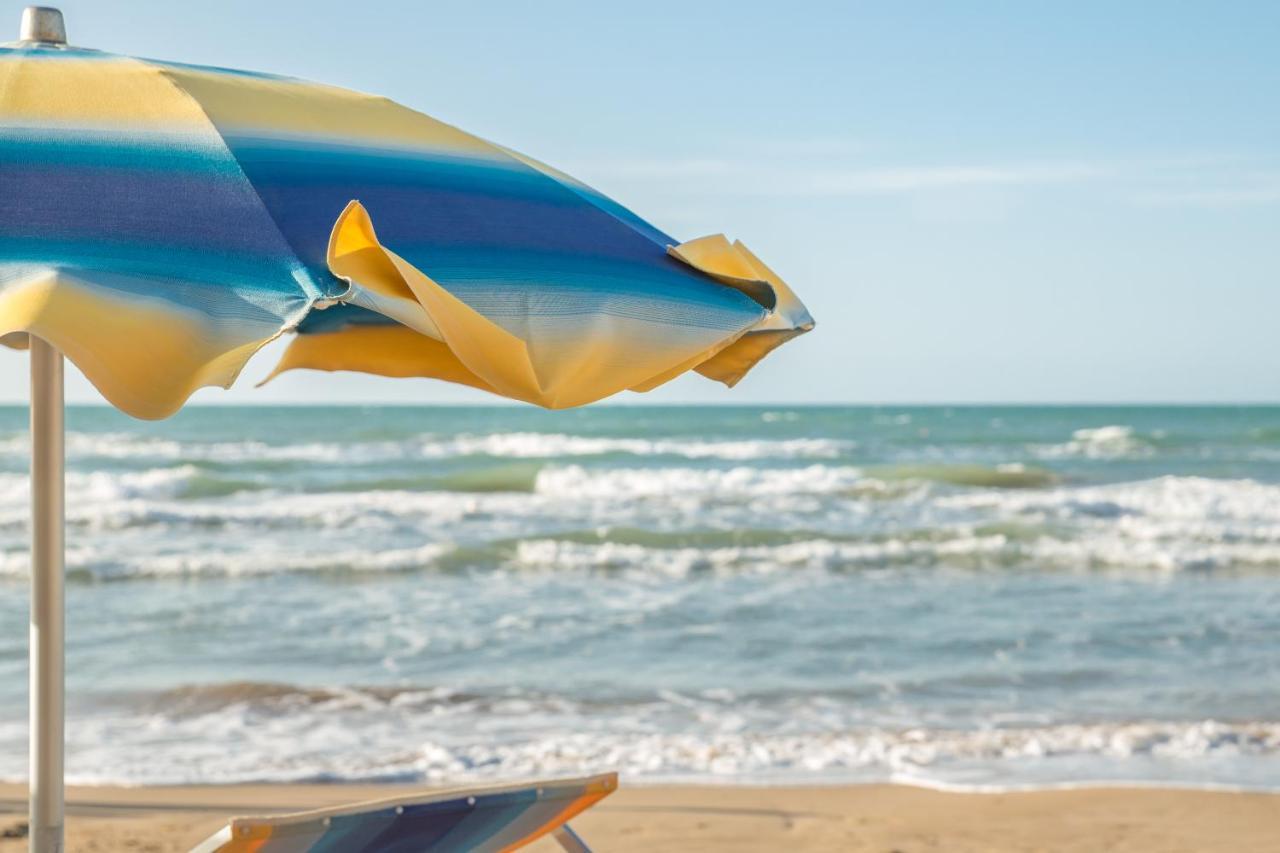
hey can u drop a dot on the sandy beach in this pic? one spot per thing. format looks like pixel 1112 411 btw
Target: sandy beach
pixel 881 818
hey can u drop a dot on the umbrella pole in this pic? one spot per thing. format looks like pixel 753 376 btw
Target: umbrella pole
pixel 41 24
pixel 47 606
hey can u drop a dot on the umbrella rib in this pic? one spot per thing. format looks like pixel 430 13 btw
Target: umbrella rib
pixel 302 274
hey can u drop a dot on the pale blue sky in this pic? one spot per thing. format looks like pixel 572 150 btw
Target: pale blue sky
pixel 1002 201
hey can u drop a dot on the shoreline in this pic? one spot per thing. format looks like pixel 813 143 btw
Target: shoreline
pixel 870 817
pixel 11 788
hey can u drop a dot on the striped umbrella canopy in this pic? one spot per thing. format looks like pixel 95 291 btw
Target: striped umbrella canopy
pixel 161 222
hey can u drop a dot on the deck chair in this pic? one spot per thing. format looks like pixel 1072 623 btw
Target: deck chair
pixel 476 819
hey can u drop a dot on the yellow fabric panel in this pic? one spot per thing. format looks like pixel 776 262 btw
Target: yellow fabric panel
pixel 733 362
pixel 490 352
pixel 396 351
pixel 735 264
pixel 717 257
pixel 685 366
pixel 354 254
pixel 789 306
pixel 376 284
pixel 137 97
pixel 103 335
pixel 722 260
pixel 288 107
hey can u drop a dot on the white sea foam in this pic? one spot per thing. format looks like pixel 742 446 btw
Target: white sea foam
pixel 1182 499
pixel 615 483
pixel 1168 523
pixel 990 551
pixel 1106 442
pixel 121 564
pixel 516 445
pixel 104 486
pixel 1165 524
pixel 811 554
pixel 530 445
pixel 429 735
pixel 880 754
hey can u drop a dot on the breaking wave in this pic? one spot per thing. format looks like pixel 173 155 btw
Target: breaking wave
pixel 516 445
pixel 416 734
pixel 665 520
pixel 1107 442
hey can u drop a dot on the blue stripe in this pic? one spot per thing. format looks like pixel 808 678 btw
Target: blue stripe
pixel 104 149
pixel 170 210
pixel 486 231
pixel 42 52
pixel 159 274
pixel 568 286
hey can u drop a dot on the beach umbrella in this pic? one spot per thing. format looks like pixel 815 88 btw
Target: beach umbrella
pixel 161 222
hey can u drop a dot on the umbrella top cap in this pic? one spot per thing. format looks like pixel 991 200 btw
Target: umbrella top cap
pixel 44 25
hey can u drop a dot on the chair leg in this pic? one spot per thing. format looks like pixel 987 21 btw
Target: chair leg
pixel 569 840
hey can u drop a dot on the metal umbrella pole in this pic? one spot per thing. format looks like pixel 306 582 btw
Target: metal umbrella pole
pixel 47 605
pixel 47 638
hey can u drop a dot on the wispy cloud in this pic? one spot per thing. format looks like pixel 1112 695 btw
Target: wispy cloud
pixel 831 176
pixel 834 169
pixel 1250 192
pixel 912 179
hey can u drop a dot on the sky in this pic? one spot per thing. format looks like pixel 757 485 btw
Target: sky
pixel 979 202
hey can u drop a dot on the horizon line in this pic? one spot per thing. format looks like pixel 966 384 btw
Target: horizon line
pixel 810 404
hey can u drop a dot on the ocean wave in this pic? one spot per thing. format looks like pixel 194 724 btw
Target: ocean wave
pixel 517 445
pixel 188 481
pixel 693 538
pixel 968 551
pixel 811 554
pixel 108 486
pixel 992 551
pixel 1107 442
pixel 1163 524
pixel 541 554
pixel 1200 504
pixel 529 445
pixel 1168 523
pixel 878 754
pixel 670 521
pixel 194 700
pixel 190 497
pixel 245 732
pixel 92 564
pixel 515 477
pixel 741 481
pixel 890 481
pixel 1011 475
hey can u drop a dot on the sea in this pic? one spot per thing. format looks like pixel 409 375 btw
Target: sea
pixel 965 597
